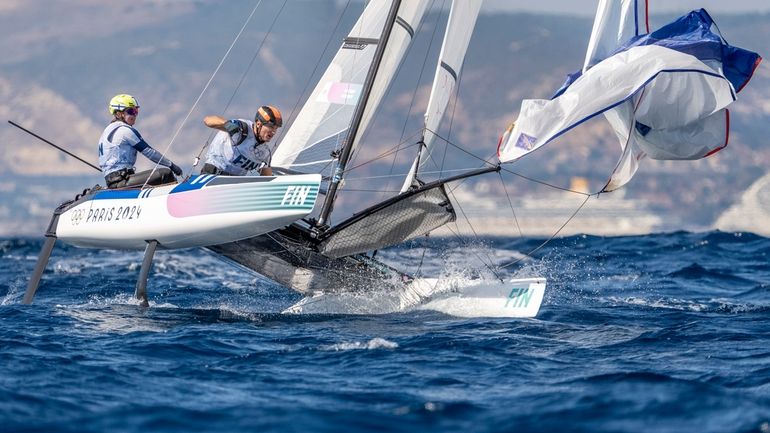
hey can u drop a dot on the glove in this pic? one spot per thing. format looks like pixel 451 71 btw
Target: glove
pixel 176 169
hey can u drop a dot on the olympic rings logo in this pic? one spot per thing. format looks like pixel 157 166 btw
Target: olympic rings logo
pixel 77 216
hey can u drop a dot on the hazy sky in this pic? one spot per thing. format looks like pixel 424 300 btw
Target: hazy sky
pixel 588 7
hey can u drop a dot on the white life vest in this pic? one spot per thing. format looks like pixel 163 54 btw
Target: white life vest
pixel 238 152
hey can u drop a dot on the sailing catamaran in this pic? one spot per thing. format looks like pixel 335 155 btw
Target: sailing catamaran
pixel 666 99
pixel 664 93
pixel 319 258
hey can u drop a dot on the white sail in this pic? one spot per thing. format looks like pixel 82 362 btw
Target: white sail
pixel 664 94
pixel 410 15
pixel 670 101
pixel 322 124
pixel 616 21
pixel 462 20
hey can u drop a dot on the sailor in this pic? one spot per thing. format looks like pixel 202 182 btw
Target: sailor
pixel 119 144
pixel 241 145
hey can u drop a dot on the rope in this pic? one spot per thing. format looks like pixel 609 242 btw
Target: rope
pixel 221 62
pixel 318 62
pixel 240 82
pixel 481 259
pixel 536 249
pixel 510 203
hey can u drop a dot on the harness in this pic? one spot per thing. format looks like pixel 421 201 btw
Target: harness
pixel 118 176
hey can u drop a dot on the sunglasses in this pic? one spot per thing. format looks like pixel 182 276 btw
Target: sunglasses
pixel 131 111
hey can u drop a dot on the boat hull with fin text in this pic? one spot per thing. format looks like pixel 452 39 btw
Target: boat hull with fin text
pixel 203 210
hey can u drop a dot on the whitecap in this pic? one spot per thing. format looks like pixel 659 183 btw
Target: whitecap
pixel 374 343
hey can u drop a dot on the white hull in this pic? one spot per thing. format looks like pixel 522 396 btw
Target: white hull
pixel 462 298
pixel 204 210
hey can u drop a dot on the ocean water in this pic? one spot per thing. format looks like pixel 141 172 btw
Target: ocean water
pixel 661 333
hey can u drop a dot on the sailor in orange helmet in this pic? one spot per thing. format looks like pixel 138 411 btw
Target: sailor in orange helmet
pixel 241 145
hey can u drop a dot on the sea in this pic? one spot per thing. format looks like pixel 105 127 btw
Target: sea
pixel 659 333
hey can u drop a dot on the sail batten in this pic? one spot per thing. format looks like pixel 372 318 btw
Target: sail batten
pixel 341 106
pixel 462 20
pixel 410 14
pixel 330 106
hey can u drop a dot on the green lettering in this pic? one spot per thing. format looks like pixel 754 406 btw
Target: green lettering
pixel 520 297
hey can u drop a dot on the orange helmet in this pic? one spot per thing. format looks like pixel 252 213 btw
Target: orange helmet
pixel 269 115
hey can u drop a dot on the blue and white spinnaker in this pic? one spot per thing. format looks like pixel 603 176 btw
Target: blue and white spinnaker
pixel 664 93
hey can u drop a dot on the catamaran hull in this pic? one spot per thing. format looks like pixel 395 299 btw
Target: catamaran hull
pixel 289 257
pixel 203 210
pixel 457 297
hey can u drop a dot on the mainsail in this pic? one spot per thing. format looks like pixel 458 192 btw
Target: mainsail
pixel 397 218
pixel 664 93
pixel 321 127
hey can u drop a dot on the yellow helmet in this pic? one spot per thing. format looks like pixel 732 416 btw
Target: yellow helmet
pixel 121 102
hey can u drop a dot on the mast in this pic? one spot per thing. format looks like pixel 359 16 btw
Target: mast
pixel 328 205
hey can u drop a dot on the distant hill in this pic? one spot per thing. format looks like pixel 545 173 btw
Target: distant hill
pixel 62 61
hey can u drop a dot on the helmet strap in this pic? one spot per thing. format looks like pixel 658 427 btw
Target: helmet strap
pixel 258 127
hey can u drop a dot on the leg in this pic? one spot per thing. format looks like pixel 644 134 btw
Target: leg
pixel 159 176
pixel 141 283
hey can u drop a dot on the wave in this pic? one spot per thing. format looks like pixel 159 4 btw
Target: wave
pixel 373 344
pixel 723 306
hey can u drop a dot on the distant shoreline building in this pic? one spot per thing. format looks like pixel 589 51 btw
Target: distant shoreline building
pixel 608 215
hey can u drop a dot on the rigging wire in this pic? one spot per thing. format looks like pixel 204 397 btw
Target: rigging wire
pixel 243 76
pixel 390 151
pixel 510 203
pixel 219 66
pixel 475 235
pixel 388 90
pixel 531 179
pixel 371 190
pixel 536 249
pixel 457 170
pixel 468 246
pixel 454 109
pixel 318 62
pixel 422 260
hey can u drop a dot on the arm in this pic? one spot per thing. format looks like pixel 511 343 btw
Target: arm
pixel 232 126
pixel 215 122
pixel 135 140
pixel 153 155
pixel 266 170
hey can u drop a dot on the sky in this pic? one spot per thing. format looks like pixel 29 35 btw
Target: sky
pixel 588 7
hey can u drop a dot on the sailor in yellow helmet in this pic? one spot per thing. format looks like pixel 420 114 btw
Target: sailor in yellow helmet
pixel 119 145
pixel 241 145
